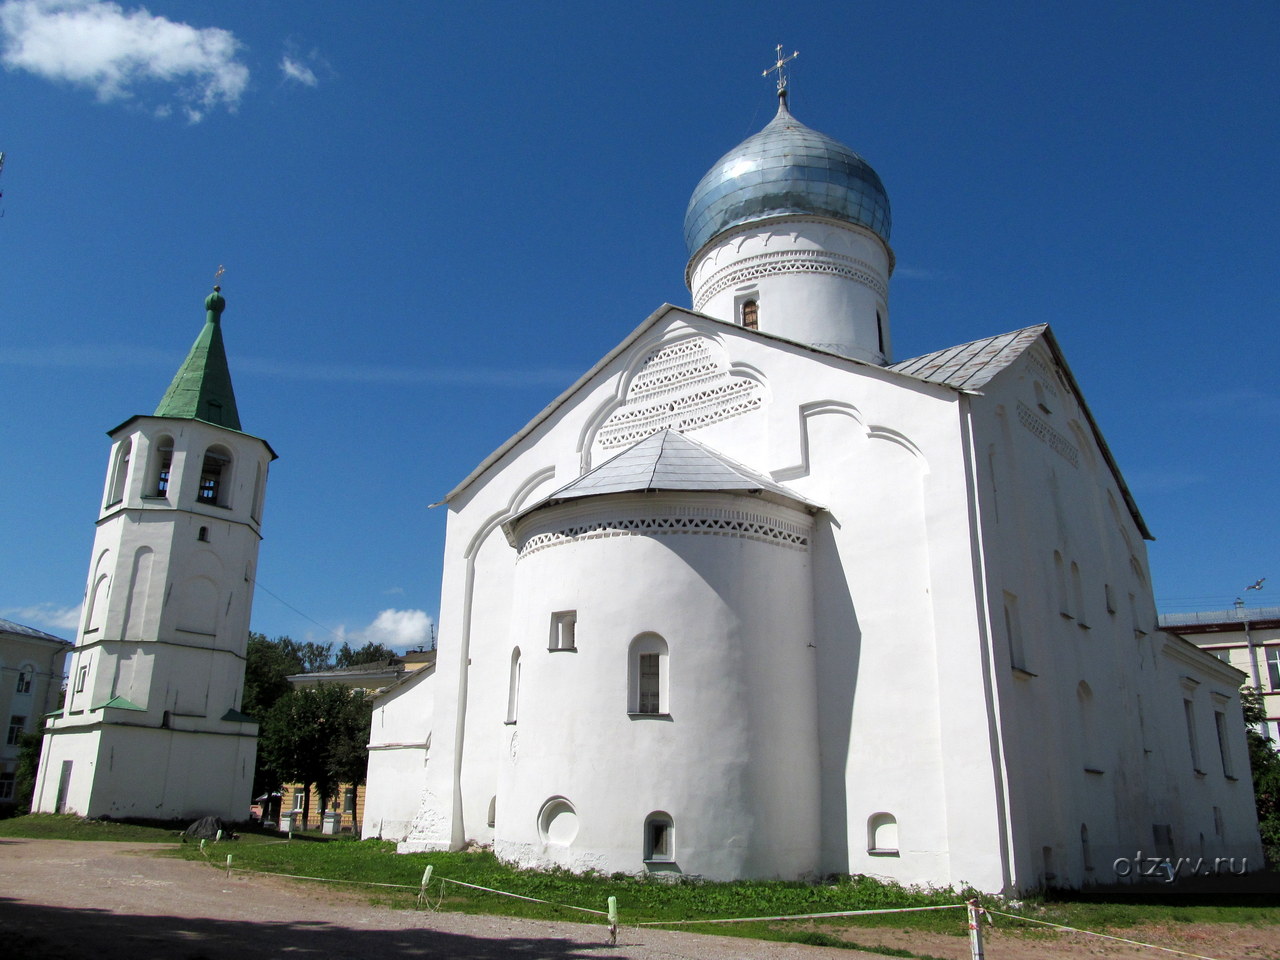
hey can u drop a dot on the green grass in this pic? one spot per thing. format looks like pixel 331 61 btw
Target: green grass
pixel 649 899
pixel 56 826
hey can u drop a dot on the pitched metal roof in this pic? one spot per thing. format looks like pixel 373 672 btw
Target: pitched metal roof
pixel 667 460
pixel 8 626
pixel 969 366
pixel 201 389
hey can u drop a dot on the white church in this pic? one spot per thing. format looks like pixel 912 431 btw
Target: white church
pixel 151 726
pixel 753 599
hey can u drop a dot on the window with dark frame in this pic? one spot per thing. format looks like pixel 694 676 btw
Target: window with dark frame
pixel 165 453
pixel 24 680
pixel 751 315
pixel 658 838
pixel 17 726
pixel 650 683
pixel 212 476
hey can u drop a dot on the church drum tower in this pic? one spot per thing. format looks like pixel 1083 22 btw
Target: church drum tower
pixel 151 726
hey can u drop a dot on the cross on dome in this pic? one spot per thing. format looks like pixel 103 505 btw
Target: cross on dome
pixel 780 67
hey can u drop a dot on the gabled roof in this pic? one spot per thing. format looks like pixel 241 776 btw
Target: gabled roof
pixel 667 460
pixel 201 389
pixel 969 366
pixel 31 633
pixel 966 368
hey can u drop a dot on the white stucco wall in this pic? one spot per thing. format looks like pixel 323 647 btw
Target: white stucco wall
pixel 738 728
pixel 816 281
pixel 399 751
pixel 165 625
pixel 1091 726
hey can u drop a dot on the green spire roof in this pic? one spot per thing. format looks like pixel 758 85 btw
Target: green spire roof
pixel 201 389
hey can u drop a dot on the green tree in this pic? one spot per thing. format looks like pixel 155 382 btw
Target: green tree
pixel 24 787
pixel 317 736
pixel 370 653
pixel 268 666
pixel 1264 763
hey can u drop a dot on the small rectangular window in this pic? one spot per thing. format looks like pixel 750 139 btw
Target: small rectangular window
pixel 1013 633
pixel 650 683
pixel 6 785
pixel 81 676
pixel 17 726
pixel 564 626
pixel 1273 667
pixel 1189 711
pixel 1224 745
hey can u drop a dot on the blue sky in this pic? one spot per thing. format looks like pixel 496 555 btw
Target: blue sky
pixel 434 216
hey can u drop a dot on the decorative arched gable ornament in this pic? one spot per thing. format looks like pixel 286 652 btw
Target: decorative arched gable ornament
pixel 680 384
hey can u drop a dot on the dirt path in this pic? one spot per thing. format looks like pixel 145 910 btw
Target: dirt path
pixel 62 900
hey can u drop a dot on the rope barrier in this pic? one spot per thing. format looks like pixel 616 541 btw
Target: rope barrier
pixel 611 914
pixel 503 893
pixel 798 916
pixel 404 886
pixel 1105 936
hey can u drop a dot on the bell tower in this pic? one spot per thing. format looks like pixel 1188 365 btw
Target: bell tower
pixel 151 726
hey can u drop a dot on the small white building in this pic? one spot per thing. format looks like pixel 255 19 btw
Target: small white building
pixel 750 599
pixel 1248 638
pixel 152 724
pixel 31 672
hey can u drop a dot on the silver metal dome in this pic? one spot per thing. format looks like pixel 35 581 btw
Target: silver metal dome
pixel 786 168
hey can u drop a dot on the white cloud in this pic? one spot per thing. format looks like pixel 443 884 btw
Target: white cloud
pixel 398 629
pixel 97 44
pixel 297 70
pixel 45 616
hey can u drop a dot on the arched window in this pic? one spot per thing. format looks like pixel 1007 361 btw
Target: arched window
pixel 492 819
pixel 880 332
pixel 513 687
pixel 882 835
pixel 1013 633
pixel 120 474
pixel 215 477
pixel 258 490
pixel 659 838
pixel 1077 595
pixel 161 466
pixel 1088 729
pixel 203 535
pixel 647 676
pixel 97 612
pixel 751 314
pixel 1060 580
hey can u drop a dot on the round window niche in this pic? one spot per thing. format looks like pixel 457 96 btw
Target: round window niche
pixel 558 822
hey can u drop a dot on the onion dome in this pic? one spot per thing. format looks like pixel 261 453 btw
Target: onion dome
pixel 785 169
